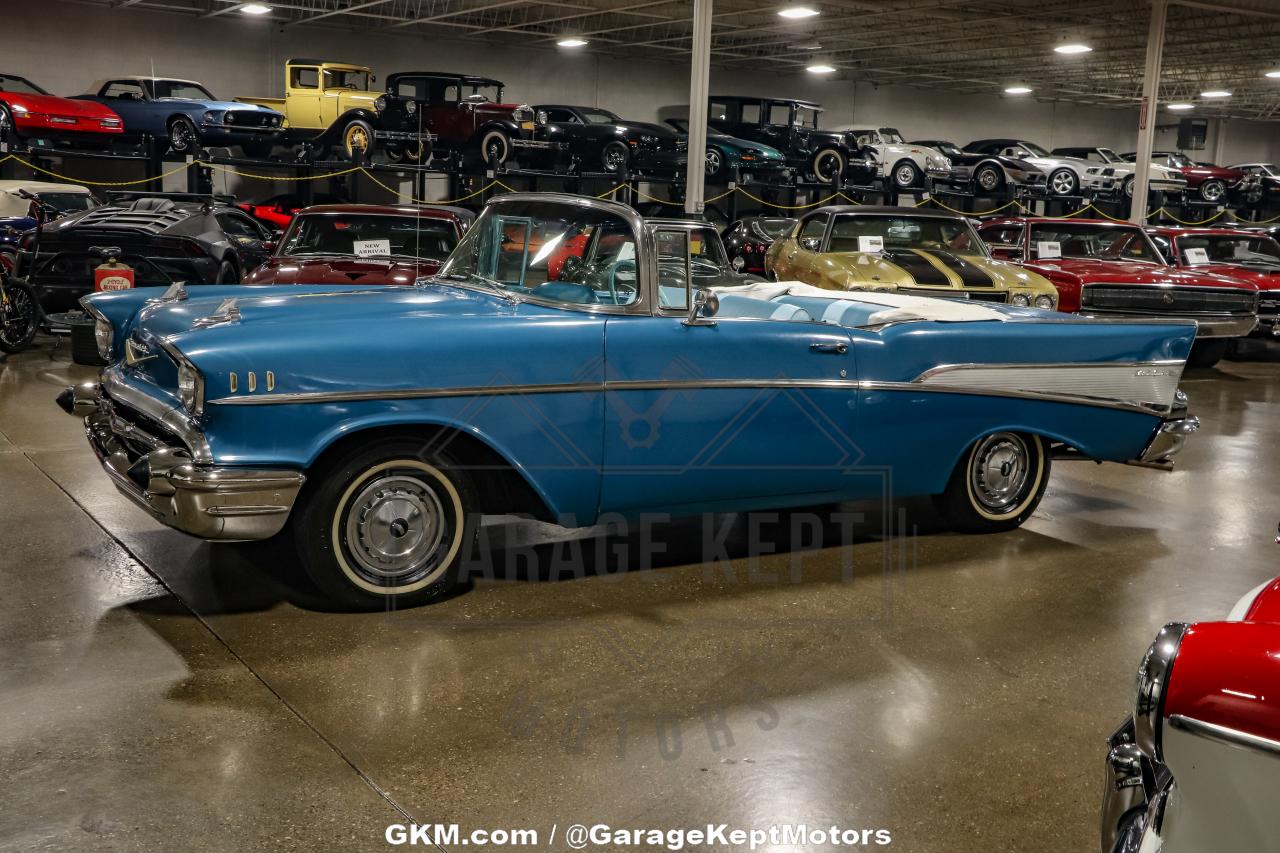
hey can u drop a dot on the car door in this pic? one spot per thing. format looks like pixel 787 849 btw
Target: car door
pixel 796 257
pixel 304 97
pixel 728 413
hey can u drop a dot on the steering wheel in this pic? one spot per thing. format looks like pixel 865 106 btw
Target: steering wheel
pixel 614 268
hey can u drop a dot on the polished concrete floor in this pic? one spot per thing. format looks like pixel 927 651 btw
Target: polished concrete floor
pixel 161 693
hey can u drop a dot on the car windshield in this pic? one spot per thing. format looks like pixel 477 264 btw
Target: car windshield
pixel 706 252
pixel 771 229
pixel 1100 240
pixel 1036 150
pixel 949 149
pixel 65 203
pixel 904 232
pixel 369 235
pixel 342 78
pixel 9 83
pixel 599 117
pixel 482 92
pixel 1253 250
pixel 1180 161
pixel 805 117
pixel 568 253
pixel 179 89
pixel 891 136
pixel 1108 156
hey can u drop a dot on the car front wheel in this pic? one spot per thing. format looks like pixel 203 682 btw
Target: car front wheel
pixel 1064 182
pixel 828 166
pixel 389 522
pixel 1213 191
pixel 989 179
pixel 906 175
pixel 183 138
pixel 997 484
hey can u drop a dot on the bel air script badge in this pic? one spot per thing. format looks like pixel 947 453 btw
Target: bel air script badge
pixel 1151 371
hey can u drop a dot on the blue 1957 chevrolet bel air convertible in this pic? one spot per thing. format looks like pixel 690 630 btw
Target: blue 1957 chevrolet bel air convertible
pixel 561 365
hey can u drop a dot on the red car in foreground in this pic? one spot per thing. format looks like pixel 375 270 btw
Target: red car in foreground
pixel 1197 765
pixel 29 113
pixel 1246 255
pixel 1113 269
pixel 363 244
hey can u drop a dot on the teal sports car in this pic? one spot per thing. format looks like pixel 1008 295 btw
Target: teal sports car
pixel 728 153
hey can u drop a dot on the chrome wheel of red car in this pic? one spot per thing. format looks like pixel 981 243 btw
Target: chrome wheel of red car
pixel 6 124
pixel 1213 190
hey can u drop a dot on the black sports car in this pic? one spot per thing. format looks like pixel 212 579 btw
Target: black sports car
pixel 791 126
pixel 988 173
pixel 750 237
pixel 164 237
pixel 599 140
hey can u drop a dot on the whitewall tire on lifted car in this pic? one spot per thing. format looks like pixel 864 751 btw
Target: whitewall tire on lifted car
pixel 390 521
pixel 997 484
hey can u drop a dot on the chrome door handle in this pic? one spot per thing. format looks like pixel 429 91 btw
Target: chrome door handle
pixel 837 348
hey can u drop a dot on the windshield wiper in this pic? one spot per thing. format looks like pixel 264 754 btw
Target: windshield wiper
pixel 479 282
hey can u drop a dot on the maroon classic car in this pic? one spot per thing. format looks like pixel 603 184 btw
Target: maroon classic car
pixel 363 244
pixel 1246 255
pixel 29 113
pixel 1212 183
pixel 1113 269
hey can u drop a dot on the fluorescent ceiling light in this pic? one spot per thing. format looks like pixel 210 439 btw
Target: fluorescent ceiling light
pixel 1018 90
pixel 1073 48
pixel 819 68
pixel 1216 93
pixel 1273 74
pixel 1180 107
pixel 797 12
pixel 572 42
pixel 255 9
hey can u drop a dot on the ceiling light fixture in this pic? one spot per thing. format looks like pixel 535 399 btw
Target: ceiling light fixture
pixel 1073 48
pixel 1216 93
pixel 820 68
pixel 797 12
pixel 1273 74
pixel 1181 107
pixel 1018 90
pixel 255 9
pixel 571 42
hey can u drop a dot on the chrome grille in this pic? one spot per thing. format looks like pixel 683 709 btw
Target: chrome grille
pixel 1155 299
pixel 248 119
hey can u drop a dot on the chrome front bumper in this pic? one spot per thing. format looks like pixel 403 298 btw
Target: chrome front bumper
pixel 214 502
pixel 1167 441
pixel 1135 792
pixel 1206 327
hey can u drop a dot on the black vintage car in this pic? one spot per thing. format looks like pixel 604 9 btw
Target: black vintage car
pixel 597 139
pixel 988 173
pixel 791 126
pixel 164 237
pixel 750 237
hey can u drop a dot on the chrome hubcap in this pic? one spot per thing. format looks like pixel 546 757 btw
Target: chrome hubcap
pixel 1212 191
pixel 1063 183
pixel 713 161
pixel 394 528
pixel 1000 471
pixel 987 179
pixel 906 176
pixel 613 158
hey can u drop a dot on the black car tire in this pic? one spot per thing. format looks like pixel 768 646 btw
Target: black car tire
pixel 907 175
pixel 828 165
pixel 22 321
pixel 495 148
pixel 615 156
pixel 84 343
pixel 1206 352
pixel 8 132
pixel 717 164
pixel 410 152
pixel 388 523
pixel 357 141
pixel 997 484
pixel 1213 190
pixel 1127 188
pixel 258 149
pixel 227 273
pixel 1063 182
pixel 183 138
pixel 989 178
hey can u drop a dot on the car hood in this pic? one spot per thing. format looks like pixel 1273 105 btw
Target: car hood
pixel 340 270
pixel 52 104
pixel 921 268
pixel 1207 172
pixel 1053 162
pixel 1091 270
pixel 218 105
pixel 1266 278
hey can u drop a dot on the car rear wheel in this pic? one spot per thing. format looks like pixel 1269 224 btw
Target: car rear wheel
pixel 389 522
pixel 1208 352
pixel 906 175
pixel 828 165
pixel 1063 182
pixel 227 273
pixel 989 178
pixel 614 157
pixel 717 164
pixel 997 484
pixel 183 138
pixel 1213 190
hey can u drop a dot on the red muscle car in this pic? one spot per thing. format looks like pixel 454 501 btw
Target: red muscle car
pixel 1197 764
pixel 1113 269
pixel 1234 252
pixel 1212 183
pixel 363 244
pixel 29 113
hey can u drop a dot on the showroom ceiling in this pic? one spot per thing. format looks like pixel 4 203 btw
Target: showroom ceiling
pixel 973 46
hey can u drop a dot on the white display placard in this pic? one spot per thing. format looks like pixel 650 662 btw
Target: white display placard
pixel 372 248
pixel 1196 256
pixel 870 244
pixel 1047 249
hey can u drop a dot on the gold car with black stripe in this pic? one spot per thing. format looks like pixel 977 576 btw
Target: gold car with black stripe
pixel 921 252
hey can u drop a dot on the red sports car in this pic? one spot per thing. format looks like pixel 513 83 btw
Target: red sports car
pixel 1113 269
pixel 1212 183
pixel 1197 765
pixel 363 244
pixel 1246 255
pixel 278 211
pixel 29 113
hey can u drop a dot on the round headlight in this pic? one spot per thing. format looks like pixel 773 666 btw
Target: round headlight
pixel 103 334
pixel 1021 300
pixel 1153 679
pixel 542 116
pixel 411 107
pixel 381 103
pixel 1044 301
pixel 189 387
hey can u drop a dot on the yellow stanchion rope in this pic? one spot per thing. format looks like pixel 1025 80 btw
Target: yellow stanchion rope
pixel 494 183
pixel 227 170
pixel 88 183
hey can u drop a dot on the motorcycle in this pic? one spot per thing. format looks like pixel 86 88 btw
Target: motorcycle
pixel 20 314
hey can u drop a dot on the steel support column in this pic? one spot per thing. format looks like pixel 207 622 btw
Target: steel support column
pixel 699 89
pixel 1148 112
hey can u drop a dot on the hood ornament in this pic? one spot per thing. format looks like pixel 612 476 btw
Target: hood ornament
pixel 227 312
pixel 175 292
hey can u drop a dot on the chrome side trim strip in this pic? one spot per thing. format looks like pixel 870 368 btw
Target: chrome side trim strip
pixel 1153 383
pixel 1222 734
pixel 978 391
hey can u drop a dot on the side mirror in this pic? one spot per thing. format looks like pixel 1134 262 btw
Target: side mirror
pixel 269 245
pixel 738 264
pixel 810 244
pixel 702 308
